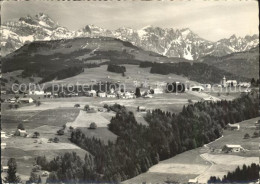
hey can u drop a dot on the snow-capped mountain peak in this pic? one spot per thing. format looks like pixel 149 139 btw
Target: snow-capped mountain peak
pixel 183 43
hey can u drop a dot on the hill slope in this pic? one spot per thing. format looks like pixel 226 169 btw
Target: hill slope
pixel 43 58
pixel 245 64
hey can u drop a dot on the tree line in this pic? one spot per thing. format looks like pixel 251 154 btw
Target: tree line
pixel 116 68
pixel 138 146
pixel 246 174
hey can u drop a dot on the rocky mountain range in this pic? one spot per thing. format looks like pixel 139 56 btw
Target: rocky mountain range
pixel 169 42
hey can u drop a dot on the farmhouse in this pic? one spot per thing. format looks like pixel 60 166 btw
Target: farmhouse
pixel 12 100
pixel 141 109
pixel 91 93
pixel 232 148
pixel 3 134
pixel 208 86
pixel 197 88
pixel 26 100
pixel 4 168
pixel 233 126
pixel 3 92
pixel 20 132
pixel 3 145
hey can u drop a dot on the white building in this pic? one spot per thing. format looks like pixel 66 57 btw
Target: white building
pixel 21 133
pixel 26 100
pixel 3 145
pixel 102 94
pixel 111 95
pixel 91 93
pixel 129 95
pixel 192 181
pixel 197 88
pixel 244 84
pixel 158 91
pixel 36 92
pixel 231 83
pixel 5 168
pixel 232 148
pixel 3 135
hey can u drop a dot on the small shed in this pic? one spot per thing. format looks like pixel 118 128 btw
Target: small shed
pixel 233 126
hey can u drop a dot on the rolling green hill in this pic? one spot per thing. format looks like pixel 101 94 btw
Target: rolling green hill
pixel 43 58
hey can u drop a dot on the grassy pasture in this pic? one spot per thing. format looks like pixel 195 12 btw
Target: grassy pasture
pixel 237 137
pixel 180 168
pixel 133 73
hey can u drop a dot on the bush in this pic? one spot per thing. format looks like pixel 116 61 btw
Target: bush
pixel 56 139
pixel 77 105
pixel 93 125
pixel 106 106
pixel 38 103
pixel 255 135
pixel 246 136
pixel 60 132
pixel 92 110
pixel 86 107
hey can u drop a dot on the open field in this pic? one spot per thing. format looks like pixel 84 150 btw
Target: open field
pixel 84 119
pixel 33 119
pixel 133 73
pixel 180 168
pixel 222 164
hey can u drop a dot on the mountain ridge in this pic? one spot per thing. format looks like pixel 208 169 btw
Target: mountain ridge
pixel 182 43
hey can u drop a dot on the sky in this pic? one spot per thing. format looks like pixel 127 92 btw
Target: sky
pixel 210 19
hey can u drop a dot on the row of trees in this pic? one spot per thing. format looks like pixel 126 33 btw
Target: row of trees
pixel 116 68
pixel 246 174
pixel 138 147
pixel 193 71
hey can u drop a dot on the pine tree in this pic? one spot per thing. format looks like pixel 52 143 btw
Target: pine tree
pixel 11 173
